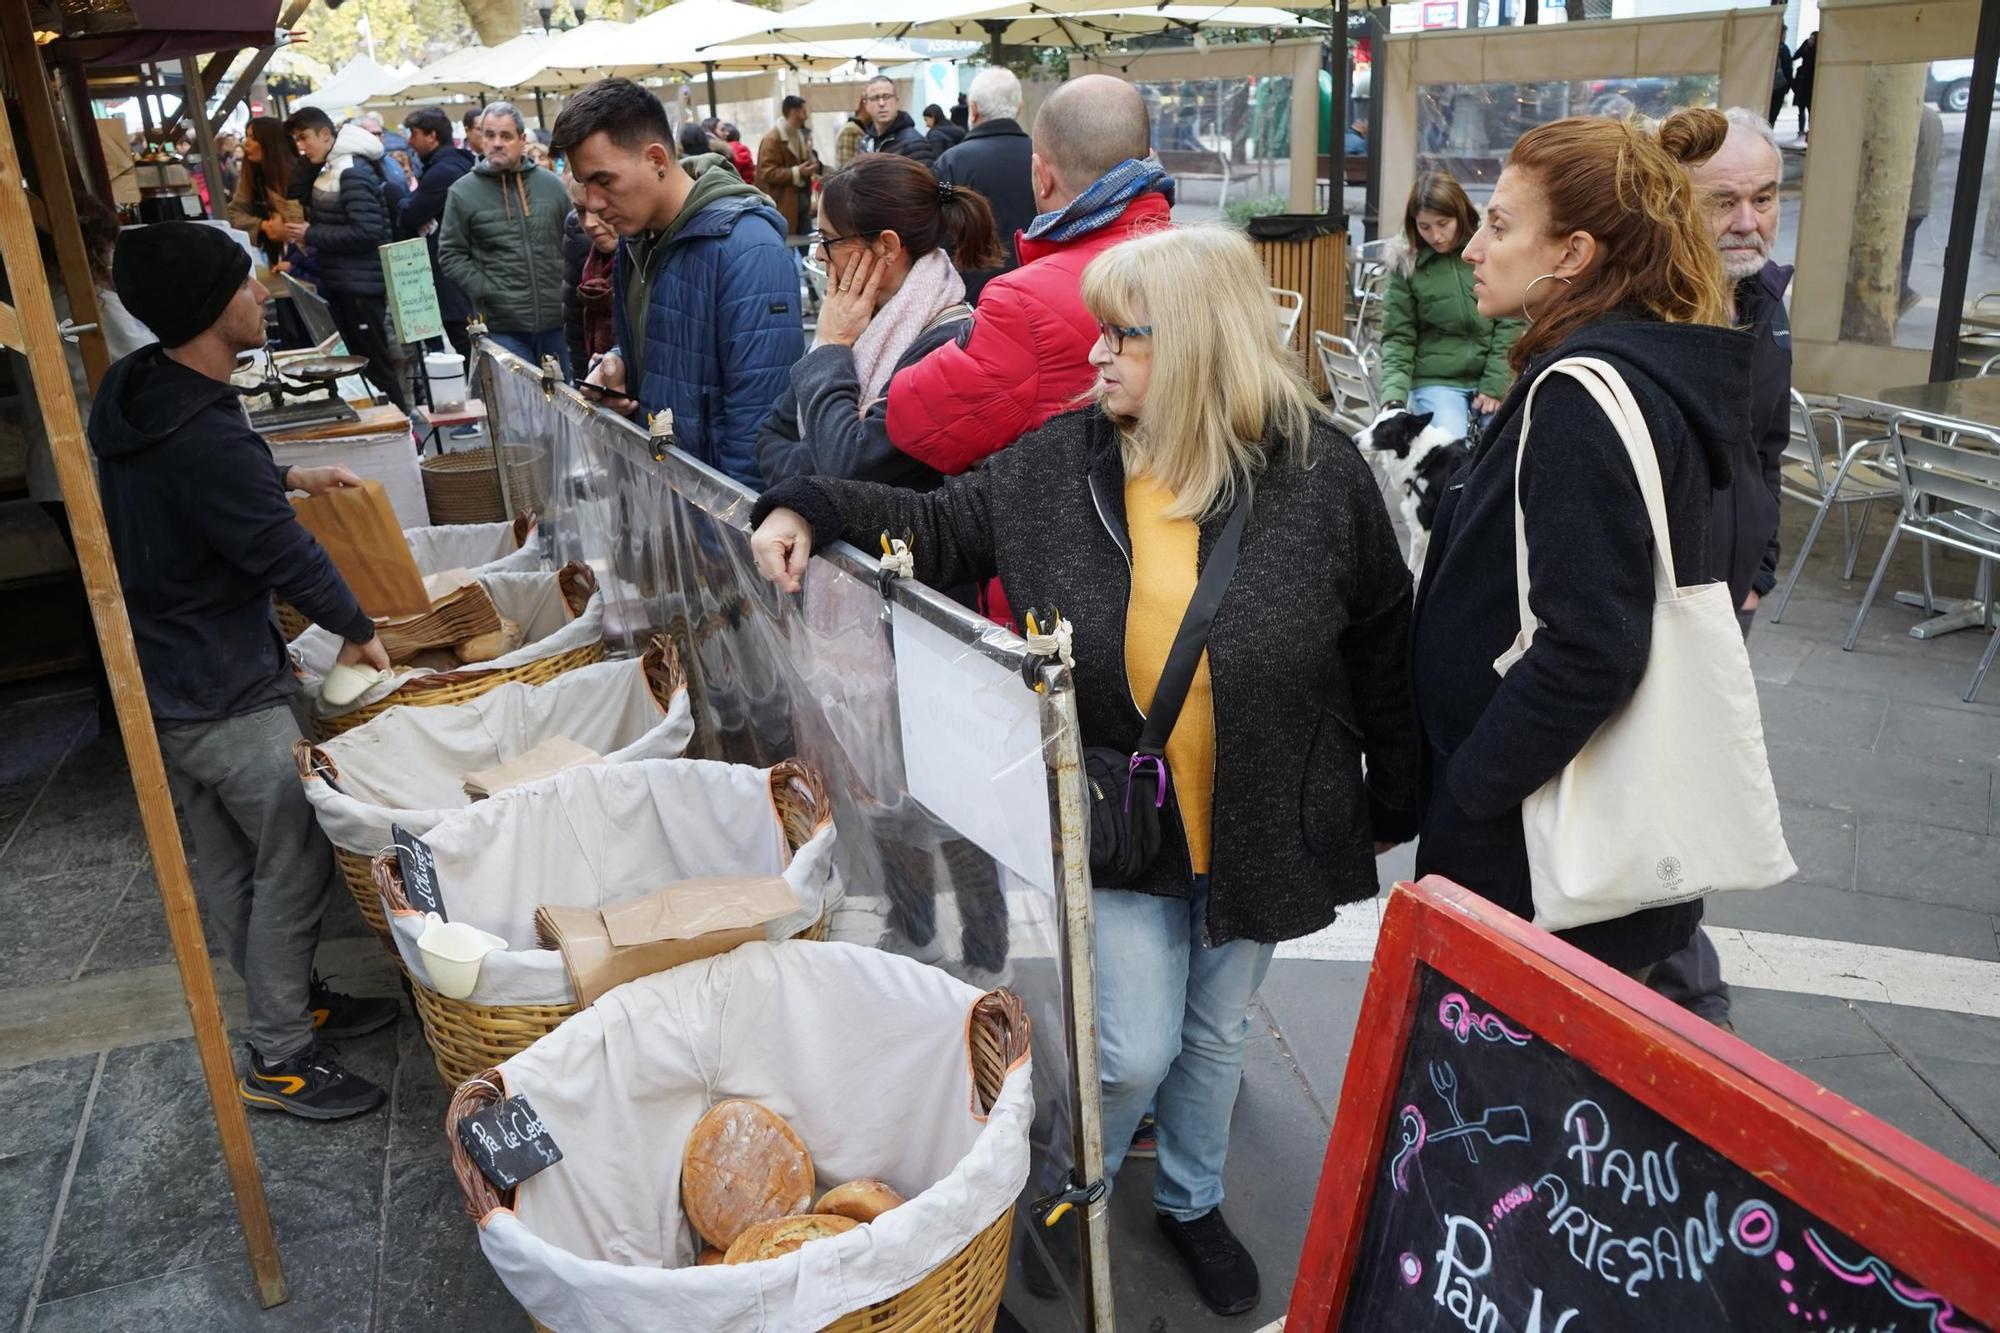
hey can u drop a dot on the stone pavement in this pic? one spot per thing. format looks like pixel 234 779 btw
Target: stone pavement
pixel 115 1214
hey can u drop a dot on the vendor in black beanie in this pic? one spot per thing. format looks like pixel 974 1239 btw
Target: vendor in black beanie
pixel 204 536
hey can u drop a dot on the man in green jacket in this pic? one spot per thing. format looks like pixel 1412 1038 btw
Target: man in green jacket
pixel 1439 354
pixel 501 242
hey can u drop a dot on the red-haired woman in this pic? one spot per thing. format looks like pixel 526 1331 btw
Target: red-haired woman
pixel 1592 239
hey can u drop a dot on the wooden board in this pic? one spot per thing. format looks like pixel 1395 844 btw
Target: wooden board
pixel 376 419
pixel 1528 1140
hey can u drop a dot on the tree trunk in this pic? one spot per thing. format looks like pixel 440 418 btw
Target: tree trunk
pixel 1894 103
pixel 495 21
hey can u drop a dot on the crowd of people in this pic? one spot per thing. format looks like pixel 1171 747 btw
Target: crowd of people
pixel 1068 402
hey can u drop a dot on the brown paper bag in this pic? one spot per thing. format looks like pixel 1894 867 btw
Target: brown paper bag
pixel 639 937
pixel 547 759
pixel 359 531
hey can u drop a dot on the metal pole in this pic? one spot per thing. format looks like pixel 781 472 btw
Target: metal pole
pixel 1965 204
pixel 1378 42
pixel 194 102
pixel 483 367
pixel 708 67
pixel 1337 119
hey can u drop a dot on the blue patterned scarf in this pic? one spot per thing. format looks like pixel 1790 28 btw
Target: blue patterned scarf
pixel 1103 201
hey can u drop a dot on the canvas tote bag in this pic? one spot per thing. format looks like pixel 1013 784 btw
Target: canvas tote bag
pixel 1672 798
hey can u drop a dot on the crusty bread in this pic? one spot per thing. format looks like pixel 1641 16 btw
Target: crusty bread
pixel 742 1165
pixel 780 1236
pixel 862 1200
pixel 709 1255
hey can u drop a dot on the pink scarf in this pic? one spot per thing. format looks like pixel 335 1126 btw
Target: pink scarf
pixel 933 287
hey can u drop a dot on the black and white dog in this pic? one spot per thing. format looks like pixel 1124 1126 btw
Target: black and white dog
pixel 1419 462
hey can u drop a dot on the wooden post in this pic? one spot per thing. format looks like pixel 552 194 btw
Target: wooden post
pixel 38 111
pixel 33 316
pixel 194 100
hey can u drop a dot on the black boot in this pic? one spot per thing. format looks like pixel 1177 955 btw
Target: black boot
pixel 1223 1271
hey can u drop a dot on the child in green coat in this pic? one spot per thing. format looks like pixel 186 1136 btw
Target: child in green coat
pixel 1439 354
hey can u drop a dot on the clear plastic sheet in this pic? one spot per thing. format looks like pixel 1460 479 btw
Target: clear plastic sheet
pixel 813 676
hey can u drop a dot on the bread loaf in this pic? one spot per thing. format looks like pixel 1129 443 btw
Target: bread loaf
pixel 709 1255
pixel 862 1200
pixel 494 643
pixel 742 1165
pixel 780 1236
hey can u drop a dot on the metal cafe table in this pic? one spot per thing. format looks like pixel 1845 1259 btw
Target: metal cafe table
pixel 1967 404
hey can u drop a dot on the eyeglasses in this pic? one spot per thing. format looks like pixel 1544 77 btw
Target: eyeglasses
pixel 821 244
pixel 879 97
pixel 1114 335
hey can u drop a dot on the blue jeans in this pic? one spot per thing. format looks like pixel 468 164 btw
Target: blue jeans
pixel 1450 407
pixel 1173 1014
pixel 532 347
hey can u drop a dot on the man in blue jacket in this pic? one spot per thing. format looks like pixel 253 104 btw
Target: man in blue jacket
pixel 203 535
pixel 705 299
pixel 419 213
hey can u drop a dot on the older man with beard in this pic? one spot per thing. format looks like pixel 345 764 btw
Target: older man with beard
pixel 1738 192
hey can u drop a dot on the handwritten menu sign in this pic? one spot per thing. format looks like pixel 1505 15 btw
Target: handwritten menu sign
pixel 1521 1191
pixel 418 867
pixel 412 290
pixel 508 1142
pixel 1494 1169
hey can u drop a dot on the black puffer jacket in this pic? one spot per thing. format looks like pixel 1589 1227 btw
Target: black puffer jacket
pixel 575 249
pixel 1491 741
pixel 203 534
pixel 1743 540
pixel 902 137
pixel 348 219
pixel 993 159
pixel 419 214
pixel 1308 654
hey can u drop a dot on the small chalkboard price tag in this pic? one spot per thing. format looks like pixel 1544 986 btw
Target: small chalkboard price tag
pixel 419 870
pixel 508 1142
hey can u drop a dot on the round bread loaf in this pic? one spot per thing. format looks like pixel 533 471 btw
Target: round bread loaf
pixel 709 1255
pixel 780 1236
pixel 743 1165
pixel 862 1200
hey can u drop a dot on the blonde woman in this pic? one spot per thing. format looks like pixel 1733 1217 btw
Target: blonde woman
pixel 1108 513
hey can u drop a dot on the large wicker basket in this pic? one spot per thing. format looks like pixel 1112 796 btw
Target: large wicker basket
pixel 664 678
pixel 961 1295
pixel 462 488
pixel 466 1038
pixel 578 585
pixel 291 624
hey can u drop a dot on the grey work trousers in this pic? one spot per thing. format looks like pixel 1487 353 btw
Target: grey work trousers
pixel 264 869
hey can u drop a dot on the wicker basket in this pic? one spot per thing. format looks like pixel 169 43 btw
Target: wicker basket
pixel 578 585
pixel 466 1038
pixel 664 678
pixel 462 488
pixel 291 624
pixel 961 1295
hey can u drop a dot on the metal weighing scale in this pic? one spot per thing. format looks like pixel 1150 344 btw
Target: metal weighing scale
pixel 312 384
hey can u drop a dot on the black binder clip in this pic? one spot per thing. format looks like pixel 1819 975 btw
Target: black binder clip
pixel 1050 1209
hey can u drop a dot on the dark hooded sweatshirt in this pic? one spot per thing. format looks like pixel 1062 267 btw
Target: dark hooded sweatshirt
pixel 203 535
pixel 1491 742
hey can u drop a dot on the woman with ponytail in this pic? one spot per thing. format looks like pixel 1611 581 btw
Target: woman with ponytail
pixel 1594 241
pixel 892 241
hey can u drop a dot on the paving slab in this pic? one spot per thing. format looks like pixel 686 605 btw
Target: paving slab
pixel 54 919
pixel 330 1276
pixel 1821 912
pixel 1957 1055
pixel 1930 731
pixel 1897 786
pixel 1830 719
pixel 31 1183
pixel 1885 1086
pixel 1795 1028
pixel 1822 841
pixel 1315 1005
pixel 433 1276
pixel 1924 863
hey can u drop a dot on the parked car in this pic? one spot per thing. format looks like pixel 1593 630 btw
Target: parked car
pixel 1948 83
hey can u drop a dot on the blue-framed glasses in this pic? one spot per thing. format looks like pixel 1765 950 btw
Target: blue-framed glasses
pixel 1114 335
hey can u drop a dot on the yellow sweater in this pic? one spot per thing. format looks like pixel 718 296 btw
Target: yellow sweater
pixel 1164 571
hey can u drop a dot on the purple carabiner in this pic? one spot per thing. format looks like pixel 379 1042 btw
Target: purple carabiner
pixel 1159 779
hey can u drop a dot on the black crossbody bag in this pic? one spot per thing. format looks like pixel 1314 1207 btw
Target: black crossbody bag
pixel 1128 792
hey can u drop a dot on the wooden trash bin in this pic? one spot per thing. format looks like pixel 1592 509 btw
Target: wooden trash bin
pixel 1307 253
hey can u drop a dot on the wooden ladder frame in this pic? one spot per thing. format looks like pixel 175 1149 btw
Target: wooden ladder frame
pixel 28 326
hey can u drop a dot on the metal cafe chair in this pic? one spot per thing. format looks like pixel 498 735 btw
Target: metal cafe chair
pixel 1291 305
pixel 1350 381
pixel 1804 477
pixel 1948 476
pixel 1369 273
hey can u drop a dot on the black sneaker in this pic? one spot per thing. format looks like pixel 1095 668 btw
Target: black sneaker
pixel 1224 1273
pixel 337 1017
pixel 1145 1139
pixel 311 1084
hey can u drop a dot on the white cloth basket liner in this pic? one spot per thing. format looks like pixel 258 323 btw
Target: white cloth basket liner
pixel 407 766
pixel 602 834
pixel 862 1052
pixel 478 547
pixel 532 599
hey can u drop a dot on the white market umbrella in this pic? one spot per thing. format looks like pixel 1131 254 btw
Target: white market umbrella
pixel 358 81
pixel 1021 22
pixel 667 40
pixel 581 55
pixel 468 70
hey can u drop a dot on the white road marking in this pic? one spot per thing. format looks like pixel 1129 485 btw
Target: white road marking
pixel 1755 958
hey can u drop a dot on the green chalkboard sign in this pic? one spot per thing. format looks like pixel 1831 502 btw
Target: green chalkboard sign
pixel 413 298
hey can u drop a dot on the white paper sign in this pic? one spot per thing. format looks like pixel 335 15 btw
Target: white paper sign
pixel 972 747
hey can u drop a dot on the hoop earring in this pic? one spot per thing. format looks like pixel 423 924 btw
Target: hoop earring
pixel 1525 313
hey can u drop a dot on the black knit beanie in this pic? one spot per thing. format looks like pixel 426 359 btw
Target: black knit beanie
pixel 176 277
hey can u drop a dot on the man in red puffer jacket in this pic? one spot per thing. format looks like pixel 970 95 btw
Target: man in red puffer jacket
pixel 1027 356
